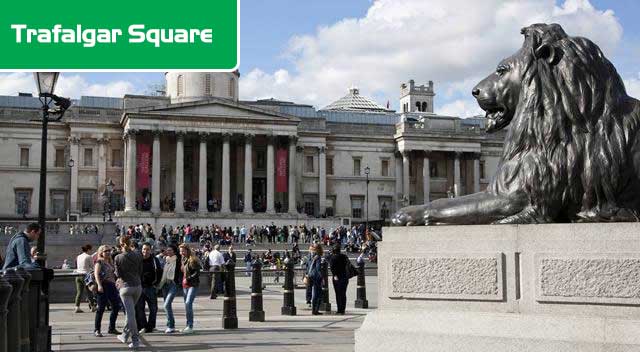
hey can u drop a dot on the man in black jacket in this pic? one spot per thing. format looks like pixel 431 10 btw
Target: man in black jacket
pixel 151 275
pixel 338 263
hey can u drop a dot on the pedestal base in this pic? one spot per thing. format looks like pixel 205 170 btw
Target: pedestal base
pixel 230 323
pixel 289 311
pixel 256 316
pixel 553 287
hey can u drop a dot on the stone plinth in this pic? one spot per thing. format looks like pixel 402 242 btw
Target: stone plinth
pixel 556 287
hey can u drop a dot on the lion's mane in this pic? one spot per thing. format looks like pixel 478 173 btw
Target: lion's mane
pixel 569 138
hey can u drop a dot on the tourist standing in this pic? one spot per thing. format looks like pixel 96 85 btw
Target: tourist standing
pixel 128 265
pixel 339 264
pixel 151 275
pixel 171 279
pixel 84 263
pixel 191 269
pixel 314 273
pixel 216 259
pixel 105 278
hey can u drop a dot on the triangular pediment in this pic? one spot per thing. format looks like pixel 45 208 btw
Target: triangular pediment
pixel 217 108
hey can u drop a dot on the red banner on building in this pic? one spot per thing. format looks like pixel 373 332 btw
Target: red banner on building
pixel 143 165
pixel 281 170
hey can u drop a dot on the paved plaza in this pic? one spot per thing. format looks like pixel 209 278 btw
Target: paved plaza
pixel 74 332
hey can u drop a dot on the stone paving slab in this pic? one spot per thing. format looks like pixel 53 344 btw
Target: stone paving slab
pixel 74 332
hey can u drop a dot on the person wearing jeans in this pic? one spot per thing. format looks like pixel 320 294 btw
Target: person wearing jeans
pixel 128 266
pixel 171 278
pixel 106 291
pixel 191 269
pixel 151 275
pixel 315 276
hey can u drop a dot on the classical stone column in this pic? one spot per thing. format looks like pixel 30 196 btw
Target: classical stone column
pixel 293 140
pixel 75 156
pixel 130 196
pixel 102 163
pixel 226 169
pixel 155 174
pixel 398 175
pixel 406 186
pixel 426 177
pixel 179 196
pixel 476 173
pixel 270 175
pixel 456 175
pixel 202 176
pixel 322 179
pixel 248 174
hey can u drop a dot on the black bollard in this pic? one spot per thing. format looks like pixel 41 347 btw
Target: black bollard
pixel 25 306
pixel 5 293
pixel 257 311
pixel 13 318
pixel 229 311
pixel 361 289
pixel 288 307
pixel 325 306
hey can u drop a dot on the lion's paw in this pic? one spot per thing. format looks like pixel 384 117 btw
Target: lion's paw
pixel 408 216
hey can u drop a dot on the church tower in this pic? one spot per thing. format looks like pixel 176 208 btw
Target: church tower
pixel 193 86
pixel 416 98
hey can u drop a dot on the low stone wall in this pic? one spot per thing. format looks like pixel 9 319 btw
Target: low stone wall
pixel 553 287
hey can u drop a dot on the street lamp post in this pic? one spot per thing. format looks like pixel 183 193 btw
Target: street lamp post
pixel 367 170
pixel 107 197
pixel 46 83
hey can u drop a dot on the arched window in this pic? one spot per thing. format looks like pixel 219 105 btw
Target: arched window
pixel 418 106
pixel 207 84
pixel 232 87
pixel 180 85
pixel 424 106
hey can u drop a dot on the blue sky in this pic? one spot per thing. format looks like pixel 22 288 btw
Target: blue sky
pixel 312 51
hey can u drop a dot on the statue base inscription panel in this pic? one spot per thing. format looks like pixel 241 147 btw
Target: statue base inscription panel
pixel 552 287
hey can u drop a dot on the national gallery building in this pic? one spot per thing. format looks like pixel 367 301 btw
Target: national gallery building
pixel 200 155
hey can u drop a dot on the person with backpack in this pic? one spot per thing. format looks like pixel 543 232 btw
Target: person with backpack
pixel 104 277
pixel 18 251
pixel 342 270
pixel 151 275
pixel 314 273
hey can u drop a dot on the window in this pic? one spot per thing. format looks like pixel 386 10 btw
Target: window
pixel 23 201
pixel 356 207
pixel 88 157
pixel 308 163
pixel 59 158
pixel 329 166
pixel 424 106
pixel 384 167
pixel 356 167
pixel 260 160
pixel 58 203
pixel 24 157
pixel 116 201
pixel 482 175
pixel 207 84
pixel 330 209
pixel 116 158
pixel 180 84
pixel 438 168
pixel 418 106
pixel 87 201
pixel 385 204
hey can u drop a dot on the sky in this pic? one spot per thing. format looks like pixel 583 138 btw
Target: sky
pixel 313 51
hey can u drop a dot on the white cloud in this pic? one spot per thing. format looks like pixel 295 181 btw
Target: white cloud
pixel 72 86
pixel 633 86
pixel 447 41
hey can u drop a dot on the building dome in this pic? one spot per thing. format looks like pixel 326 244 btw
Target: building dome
pixel 193 86
pixel 355 102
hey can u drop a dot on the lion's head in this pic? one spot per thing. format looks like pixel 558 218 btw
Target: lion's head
pixel 570 70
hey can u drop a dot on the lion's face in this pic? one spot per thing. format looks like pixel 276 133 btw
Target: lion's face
pixel 499 92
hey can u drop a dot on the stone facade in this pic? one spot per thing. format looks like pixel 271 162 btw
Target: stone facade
pixel 207 145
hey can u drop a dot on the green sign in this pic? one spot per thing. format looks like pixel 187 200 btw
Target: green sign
pixel 118 35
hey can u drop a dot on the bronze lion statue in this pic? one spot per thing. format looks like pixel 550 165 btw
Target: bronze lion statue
pixel 572 147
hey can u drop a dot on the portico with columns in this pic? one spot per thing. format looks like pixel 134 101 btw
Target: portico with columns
pixel 202 163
